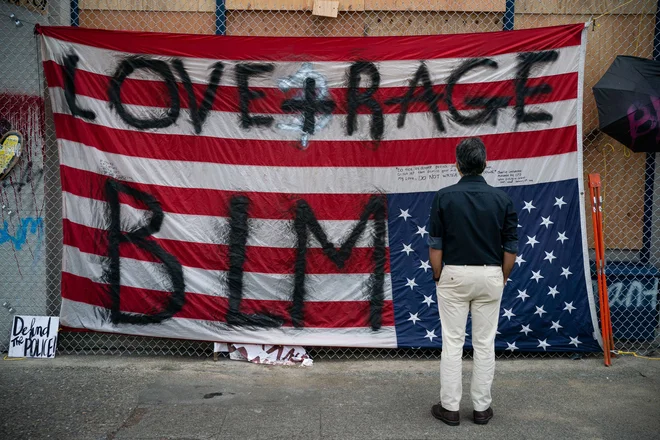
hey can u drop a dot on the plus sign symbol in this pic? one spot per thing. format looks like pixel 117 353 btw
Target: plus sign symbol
pixel 312 103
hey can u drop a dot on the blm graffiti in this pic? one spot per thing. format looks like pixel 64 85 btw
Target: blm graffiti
pixel 304 224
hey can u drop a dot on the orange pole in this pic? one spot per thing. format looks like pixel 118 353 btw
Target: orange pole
pixel 594 182
pixel 599 212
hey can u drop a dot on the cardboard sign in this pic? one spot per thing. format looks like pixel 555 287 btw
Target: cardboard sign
pixel 33 336
pixel 11 147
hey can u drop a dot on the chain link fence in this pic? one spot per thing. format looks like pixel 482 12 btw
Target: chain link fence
pixel 30 232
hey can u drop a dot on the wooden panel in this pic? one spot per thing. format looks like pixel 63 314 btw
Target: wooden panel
pixel 586 7
pixel 326 8
pixel 184 22
pixel 429 23
pixel 112 5
pixel 294 23
pixel 436 5
pixel 372 5
pixel 149 5
pixel 288 5
pixel 622 175
pixel 291 23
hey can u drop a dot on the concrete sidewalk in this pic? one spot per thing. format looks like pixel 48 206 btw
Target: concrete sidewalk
pixel 78 397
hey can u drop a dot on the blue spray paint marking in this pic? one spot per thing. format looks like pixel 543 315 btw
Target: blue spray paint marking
pixel 28 225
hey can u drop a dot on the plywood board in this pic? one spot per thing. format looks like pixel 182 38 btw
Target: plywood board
pixel 325 8
pixel 295 24
pixel 586 7
pixel 288 5
pixel 149 21
pixel 436 5
pixel 430 23
pixel 149 5
pixel 372 5
pixel 622 176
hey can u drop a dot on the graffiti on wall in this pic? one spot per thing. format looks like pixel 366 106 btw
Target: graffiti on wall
pixel 21 190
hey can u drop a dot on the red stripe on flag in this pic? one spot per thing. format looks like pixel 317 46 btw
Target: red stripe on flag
pixel 322 48
pixel 155 93
pixel 276 206
pixel 215 256
pixel 319 153
pixel 318 314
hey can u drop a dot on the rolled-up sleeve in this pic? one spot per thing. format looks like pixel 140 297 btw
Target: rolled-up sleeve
pixel 510 230
pixel 436 229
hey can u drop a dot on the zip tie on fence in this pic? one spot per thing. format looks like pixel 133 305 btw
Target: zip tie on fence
pixel 636 355
pixel 7 358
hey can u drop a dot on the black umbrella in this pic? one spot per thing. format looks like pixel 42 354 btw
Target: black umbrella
pixel 628 100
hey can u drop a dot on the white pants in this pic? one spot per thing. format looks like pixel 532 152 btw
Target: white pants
pixel 463 289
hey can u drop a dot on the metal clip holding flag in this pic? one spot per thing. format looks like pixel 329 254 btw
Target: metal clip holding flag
pixel 599 240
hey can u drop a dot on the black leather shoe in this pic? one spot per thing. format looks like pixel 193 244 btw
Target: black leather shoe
pixel 482 417
pixel 451 418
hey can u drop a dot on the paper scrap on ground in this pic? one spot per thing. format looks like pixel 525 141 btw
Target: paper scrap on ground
pixel 266 354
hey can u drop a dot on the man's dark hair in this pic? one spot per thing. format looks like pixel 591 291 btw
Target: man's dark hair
pixel 471 156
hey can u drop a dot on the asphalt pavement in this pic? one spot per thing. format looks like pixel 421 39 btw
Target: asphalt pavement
pixel 106 397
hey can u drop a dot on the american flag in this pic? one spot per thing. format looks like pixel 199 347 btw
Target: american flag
pixel 266 157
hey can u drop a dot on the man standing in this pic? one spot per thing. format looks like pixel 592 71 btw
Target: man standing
pixel 473 233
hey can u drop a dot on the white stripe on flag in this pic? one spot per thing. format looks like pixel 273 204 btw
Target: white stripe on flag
pixel 210 229
pixel 80 315
pixel 419 125
pixel 257 286
pixel 322 180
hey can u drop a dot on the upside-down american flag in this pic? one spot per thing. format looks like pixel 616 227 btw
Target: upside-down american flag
pixel 277 190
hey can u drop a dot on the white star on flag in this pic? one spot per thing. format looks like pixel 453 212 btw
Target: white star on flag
pixel 407 248
pixel 536 276
pixel 540 311
pixel 532 241
pixel 528 206
pixel 425 265
pixel 428 300
pixel 574 341
pixel 411 283
pixel 550 256
pixel 511 347
pixel 522 294
pixel 414 318
pixel 553 291
pixel 525 329
pixel 430 335
pixel 543 344
pixel 404 214
pixel 556 326
pixel 559 202
pixel 421 231
pixel 546 222
pixel 569 307
pixel 519 260
pixel 508 313
pixel 562 237
pixel 565 272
